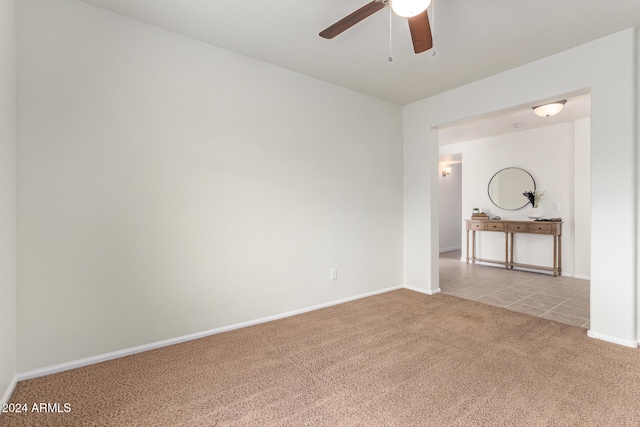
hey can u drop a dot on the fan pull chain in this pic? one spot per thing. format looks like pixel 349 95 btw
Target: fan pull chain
pixel 433 25
pixel 390 59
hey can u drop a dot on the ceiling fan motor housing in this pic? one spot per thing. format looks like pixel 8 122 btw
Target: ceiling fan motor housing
pixel 418 22
pixel 409 8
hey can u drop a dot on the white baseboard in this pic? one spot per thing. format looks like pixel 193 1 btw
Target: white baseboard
pixel 48 370
pixel 580 276
pixel 611 339
pixel 8 392
pixel 422 291
pixel 453 248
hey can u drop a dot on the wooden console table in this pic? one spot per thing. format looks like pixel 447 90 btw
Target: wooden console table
pixel 509 228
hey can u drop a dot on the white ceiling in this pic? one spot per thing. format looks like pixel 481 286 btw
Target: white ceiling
pixel 516 120
pixel 503 122
pixel 473 39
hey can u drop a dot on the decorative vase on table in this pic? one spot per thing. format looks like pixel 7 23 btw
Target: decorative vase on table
pixel 534 198
pixel 535 213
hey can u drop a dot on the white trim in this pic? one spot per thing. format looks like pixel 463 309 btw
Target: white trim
pixel 7 394
pixel 580 276
pixel 611 339
pixel 453 248
pixel 422 291
pixel 48 370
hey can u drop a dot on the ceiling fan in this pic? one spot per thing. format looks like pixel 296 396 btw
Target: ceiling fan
pixel 414 10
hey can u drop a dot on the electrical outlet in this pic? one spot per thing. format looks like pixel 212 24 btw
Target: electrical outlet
pixel 556 206
pixel 334 274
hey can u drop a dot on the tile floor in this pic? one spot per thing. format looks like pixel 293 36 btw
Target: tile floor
pixel 563 299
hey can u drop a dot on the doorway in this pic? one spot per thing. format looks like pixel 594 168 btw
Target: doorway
pixel 450 206
pixel 565 298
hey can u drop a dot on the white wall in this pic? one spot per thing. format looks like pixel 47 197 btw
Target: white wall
pixel 450 189
pixel 168 187
pixel 611 77
pixel 582 198
pixel 547 153
pixel 637 260
pixel 7 195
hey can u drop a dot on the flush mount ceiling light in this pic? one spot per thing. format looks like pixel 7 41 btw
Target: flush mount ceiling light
pixel 409 8
pixel 547 110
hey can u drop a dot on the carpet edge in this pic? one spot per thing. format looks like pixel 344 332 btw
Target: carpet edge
pixel 92 360
pixel 422 291
pixel 6 397
pixel 615 340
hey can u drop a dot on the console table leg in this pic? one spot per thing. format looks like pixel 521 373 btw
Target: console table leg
pixel 511 251
pixel 506 251
pixel 560 255
pixel 555 256
pixel 467 246
pixel 473 246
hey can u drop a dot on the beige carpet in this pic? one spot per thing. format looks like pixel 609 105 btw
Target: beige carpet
pixel 396 359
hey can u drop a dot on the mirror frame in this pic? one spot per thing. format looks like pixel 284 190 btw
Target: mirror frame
pixel 496 174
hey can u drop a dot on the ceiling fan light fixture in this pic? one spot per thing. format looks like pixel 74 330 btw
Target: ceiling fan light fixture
pixel 548 110
pixel 409 8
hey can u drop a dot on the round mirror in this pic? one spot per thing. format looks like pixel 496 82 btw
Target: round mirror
pixel 506 188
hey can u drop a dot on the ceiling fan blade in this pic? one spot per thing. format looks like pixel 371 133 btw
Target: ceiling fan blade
pixel 421 32
pixel 352 19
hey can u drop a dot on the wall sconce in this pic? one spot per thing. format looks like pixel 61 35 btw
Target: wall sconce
pixel 446 171
pixel 547 110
